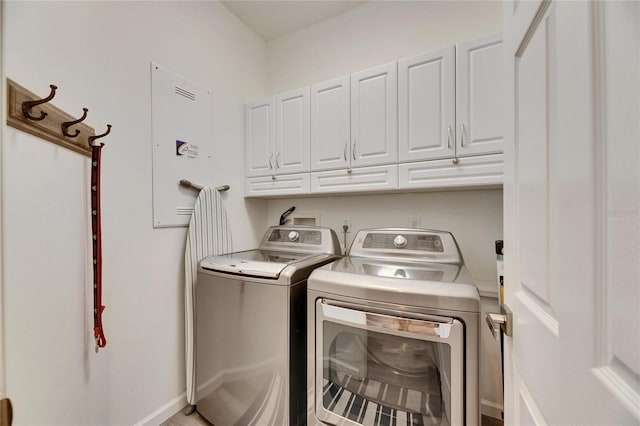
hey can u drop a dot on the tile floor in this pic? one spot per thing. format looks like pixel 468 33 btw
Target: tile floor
pixel 196 420
pixel 180 419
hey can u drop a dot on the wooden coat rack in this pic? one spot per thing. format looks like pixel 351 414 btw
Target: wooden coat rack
pixel 36 116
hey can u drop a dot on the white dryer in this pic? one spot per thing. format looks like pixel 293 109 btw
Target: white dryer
pixel 393 333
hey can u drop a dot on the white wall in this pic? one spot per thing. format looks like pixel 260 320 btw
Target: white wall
pixel 98 53
pixel 373 34
pixel 474 218
pixel 370 35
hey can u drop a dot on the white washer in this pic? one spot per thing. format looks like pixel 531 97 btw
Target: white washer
pixel 393 333
pixel 251 328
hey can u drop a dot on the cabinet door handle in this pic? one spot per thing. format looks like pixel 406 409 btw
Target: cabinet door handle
pixel 270 157
pixel 455 154
pixel 353 151
pixel 448 137
pixel 344 151
pixel 461 135
pixel 277 156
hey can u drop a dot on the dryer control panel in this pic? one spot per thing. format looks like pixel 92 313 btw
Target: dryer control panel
pixel 407 244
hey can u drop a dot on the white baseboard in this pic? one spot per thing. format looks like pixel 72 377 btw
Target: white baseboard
pixel 165 412
pixel 491 409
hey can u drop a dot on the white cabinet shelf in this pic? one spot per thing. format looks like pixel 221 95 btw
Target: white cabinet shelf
pixel 426 109
pixel 269 186
pixel 292 132
pixel 451 101
pixel 479 96
pixel 331 124
pixel 374 116
pixel 359 179
pixel 482 170
pixel 432 121
pixel 354 120
pixel 259 137
pixel 277 134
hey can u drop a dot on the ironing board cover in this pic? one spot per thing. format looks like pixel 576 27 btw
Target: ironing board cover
pixel 208 235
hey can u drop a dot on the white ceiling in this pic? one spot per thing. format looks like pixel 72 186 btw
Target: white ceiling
pixel 274 18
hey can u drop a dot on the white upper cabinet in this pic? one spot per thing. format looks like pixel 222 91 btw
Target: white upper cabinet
pixel 330 124
pixel 291 153
pixel 451 102
pixel 479 96
pixel 277 134
pixel 430 121
pixel 259 137
pixel 374 116
pixel 426 111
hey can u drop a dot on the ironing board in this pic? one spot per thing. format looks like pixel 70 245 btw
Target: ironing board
pixel 209 234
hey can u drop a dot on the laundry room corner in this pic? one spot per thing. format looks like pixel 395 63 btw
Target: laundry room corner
pixel 375 33
pixel 98 54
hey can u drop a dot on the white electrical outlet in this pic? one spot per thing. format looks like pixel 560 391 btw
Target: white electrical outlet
pixel 346 221
pixel 415 222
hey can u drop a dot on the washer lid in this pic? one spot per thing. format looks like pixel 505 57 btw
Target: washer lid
pixel 255 263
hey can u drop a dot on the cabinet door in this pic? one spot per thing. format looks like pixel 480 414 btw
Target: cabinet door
pixel 330 124
pixel 361 179
pixel 479 96
pixel 480 170
pixel 426 109
pixel 374 116
pixel 292 132
pixel 266 186
pixel 259 137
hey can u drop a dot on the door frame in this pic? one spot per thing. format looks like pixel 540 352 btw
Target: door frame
pixel 3 381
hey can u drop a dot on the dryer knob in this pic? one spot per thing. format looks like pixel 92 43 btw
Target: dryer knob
pixel 294 235
pixel 400 241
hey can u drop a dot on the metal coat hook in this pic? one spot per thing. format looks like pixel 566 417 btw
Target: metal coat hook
pixel 90 139
pixel 28 106
pixel 65 126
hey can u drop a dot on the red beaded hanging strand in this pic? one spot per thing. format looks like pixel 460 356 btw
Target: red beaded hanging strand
pixel 98 308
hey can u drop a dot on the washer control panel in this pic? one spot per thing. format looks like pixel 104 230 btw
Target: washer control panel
pixel 295 236
pixel 311 239
pixel 406 243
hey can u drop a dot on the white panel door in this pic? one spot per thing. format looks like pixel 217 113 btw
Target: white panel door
pixel 571 218
pixel 330 124
pixel 374 116
pixel 480 96
pixel 260 137
pixel 426 96
pixel 292 132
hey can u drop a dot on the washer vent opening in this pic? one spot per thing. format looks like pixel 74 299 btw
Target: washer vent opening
pixel 185 93
pixel 184 211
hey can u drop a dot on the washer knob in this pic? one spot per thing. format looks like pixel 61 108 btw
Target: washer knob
pixel 400 241
pixel 294 235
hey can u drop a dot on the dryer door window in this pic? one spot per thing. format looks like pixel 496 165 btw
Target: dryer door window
pixel 383 369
